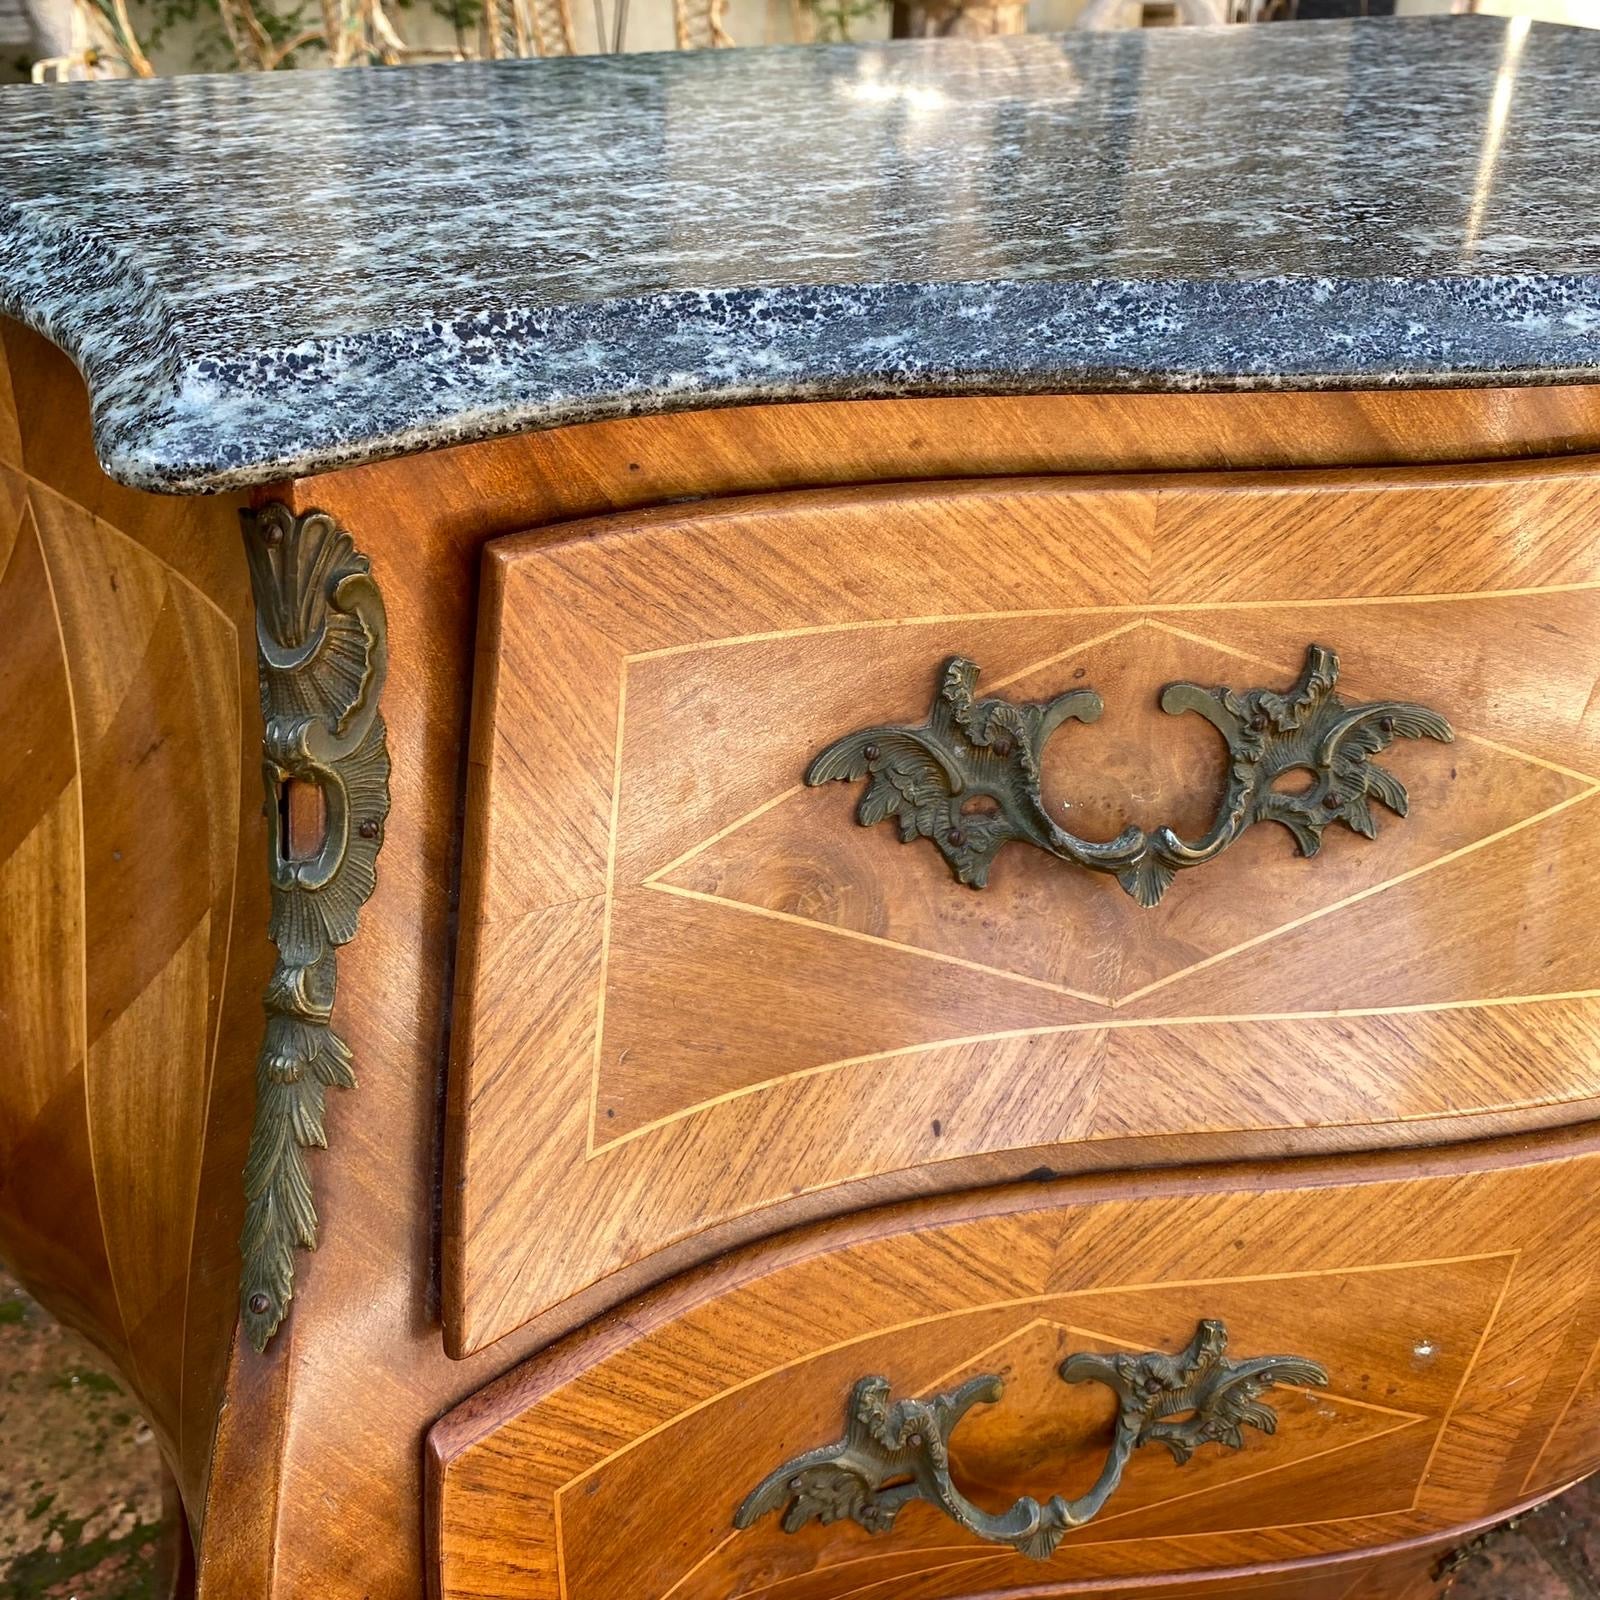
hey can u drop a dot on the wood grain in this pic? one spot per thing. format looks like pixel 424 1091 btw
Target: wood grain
pixel 10 425
pixel 1568 1410
pixel 533 479
pixel 1435 1293
pixel 361 1358
pixel 127 854
pixel 316 1455
pixel 691 989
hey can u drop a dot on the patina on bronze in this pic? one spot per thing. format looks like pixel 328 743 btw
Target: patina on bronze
pixel 322 647
pixel 894 1453
pixel 968 778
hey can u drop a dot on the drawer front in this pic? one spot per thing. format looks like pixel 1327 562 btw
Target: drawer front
pixel 1446 1308
pixel 699 1000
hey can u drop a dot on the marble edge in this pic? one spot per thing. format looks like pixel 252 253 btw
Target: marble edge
pixel 172 418
pixel 109 324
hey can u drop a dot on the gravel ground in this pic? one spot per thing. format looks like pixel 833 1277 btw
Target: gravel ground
pixel 1550 1554
pixel 81 1502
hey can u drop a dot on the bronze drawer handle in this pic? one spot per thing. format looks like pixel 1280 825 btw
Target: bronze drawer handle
pixel 893 1454
pixel 986 754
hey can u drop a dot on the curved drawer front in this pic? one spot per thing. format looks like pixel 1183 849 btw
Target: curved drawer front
pixel 615 1467
pixel 699 1000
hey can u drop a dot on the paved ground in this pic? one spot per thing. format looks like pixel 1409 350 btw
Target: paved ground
pixel 80 1479
pixel 81 1500
pixel 1551 1554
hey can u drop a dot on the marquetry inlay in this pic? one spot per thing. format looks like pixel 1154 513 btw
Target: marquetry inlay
pixel 706 985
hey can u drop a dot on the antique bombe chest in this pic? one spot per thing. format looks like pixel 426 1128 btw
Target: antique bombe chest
pixel 832 837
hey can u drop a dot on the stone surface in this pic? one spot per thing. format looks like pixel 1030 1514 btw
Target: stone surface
pixel 275 274
pixel 1553 1553
pixel 82 1514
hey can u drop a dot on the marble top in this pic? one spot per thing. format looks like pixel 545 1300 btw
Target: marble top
pixel 272 275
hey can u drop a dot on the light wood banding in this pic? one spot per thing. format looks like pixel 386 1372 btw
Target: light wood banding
pixel 131 905
pixel 691 989
pixel 308 1463
pixel 610 1465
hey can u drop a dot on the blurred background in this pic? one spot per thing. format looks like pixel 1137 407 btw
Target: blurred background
pixel 54 40
pixel 85 1507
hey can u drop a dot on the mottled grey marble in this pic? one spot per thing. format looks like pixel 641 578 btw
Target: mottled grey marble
pixel 264 276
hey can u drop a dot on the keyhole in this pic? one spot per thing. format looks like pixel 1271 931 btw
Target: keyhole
pixel 302 818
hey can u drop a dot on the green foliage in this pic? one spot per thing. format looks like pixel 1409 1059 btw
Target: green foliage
pixel 154 20
pixel 195 27
pixel 462 15
pixel 130 1561
pixel 87 1379
pixel 835 17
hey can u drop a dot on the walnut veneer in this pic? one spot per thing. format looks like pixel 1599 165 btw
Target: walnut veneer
pixel 1348 1104
pixel 1447 1298
pixel 692 991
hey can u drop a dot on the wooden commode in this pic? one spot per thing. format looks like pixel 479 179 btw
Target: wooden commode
pixel 707 925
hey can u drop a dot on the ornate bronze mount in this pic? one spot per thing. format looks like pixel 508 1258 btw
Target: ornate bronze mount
pixel 968 778
pixel 322 645
pixel 892 1454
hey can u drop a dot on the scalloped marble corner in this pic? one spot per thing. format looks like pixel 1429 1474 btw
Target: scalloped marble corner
pixel 1089 212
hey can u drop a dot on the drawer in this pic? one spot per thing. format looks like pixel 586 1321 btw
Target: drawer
pixel 699 1001
pixel 1449 1301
